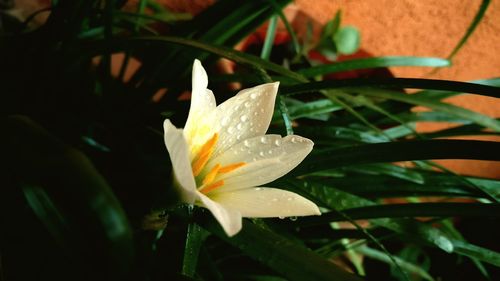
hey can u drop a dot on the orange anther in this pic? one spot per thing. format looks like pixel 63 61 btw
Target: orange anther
pixel 205 152
pixel 231 167
pixel 208 146
pixel 212 187
pixel 209 178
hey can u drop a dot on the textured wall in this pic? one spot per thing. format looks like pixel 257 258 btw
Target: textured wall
pixel 428 28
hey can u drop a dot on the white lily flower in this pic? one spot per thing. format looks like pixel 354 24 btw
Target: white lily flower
pixel 222 156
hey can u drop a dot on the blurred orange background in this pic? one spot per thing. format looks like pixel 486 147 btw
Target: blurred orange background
pixel 428 28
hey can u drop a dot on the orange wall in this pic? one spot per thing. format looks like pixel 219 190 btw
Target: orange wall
pixel 428 28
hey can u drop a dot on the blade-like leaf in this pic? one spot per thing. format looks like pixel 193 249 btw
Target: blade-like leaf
pixel 366 63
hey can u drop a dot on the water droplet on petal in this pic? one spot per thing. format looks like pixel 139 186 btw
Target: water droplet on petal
pixel 239 126
pixel 238 137
pixel 247 104
pixel 277 142
pixel 281 217
pixel 258 188
pixel 246 143
pixel 264 140
pixel 270 151
pixel 293 218
pixel 254 95
pixel 261 153
pixel 230 130
pixel 294 139
pixel 225 121
pixel 244 118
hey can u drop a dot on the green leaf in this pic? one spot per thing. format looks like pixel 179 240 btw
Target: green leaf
pixel 434 184
pixel 390 170
pixel 269 41
pixel 399 151
pixel 285 257
pixel 395 83
pixel 366 63
pixel 347 39
pixel 194 240
pixel 310 109
pixel 472 27
pixel 222 51
pixel 408 210
pixel 381 256
pixel 435 105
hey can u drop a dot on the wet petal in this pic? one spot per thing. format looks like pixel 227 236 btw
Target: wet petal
pixel 266 158
pixel 199 126
pixel 264 202
pixel 229 219
pixel 179 155
pixel 245 115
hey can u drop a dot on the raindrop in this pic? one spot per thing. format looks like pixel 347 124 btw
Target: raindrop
pixel 243 118
pixel 264 140
pixel 277 142
pixel 258 188
pixel 254 95
pixel 239 126
pixel 262 110
pixel 270 151
pixel 290 199
pixel 230 130
pixel 293 218
pixel 247 104
pixel 281 217
pixel 261 153
pixel 238 137
pixel 246 143
pixel 255 113
pixel 294 139
pixel 225 121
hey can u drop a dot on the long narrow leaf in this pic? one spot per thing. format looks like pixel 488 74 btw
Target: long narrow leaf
pixel 366 63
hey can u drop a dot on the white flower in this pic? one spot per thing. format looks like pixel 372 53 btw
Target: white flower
pixel 222 156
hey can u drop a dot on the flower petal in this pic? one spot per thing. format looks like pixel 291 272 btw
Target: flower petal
pixel 179 155
pixel 229 219
pixel 245 115
pixel 198 128
pixel 266 158
pixel 264 202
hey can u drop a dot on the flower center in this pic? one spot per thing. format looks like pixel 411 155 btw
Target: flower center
pixel 208 182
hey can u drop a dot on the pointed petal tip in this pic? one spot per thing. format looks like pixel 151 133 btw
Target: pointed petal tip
pixel 199 77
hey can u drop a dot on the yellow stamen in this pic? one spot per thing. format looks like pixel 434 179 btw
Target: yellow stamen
pixel 231 167
pixel 209 178
pixel 212 187
pixel 205 152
